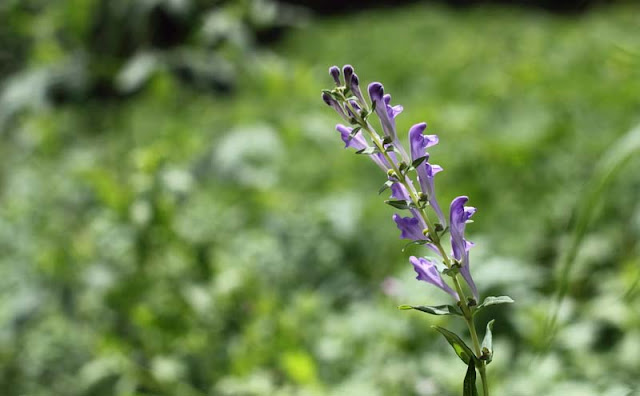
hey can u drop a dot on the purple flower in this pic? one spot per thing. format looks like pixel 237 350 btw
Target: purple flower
pixel 410 228
pixel 386 114
pixel 335 105
pixel 426 171
pixel 376 93
pixel 428 272
pixel 459 216
pixel 358 142
pixel 353 82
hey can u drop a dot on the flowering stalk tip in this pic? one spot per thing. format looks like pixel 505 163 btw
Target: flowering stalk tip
pixel 419 199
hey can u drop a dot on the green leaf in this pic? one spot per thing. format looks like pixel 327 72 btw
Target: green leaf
pixel 418 161
pixel 398 204
pixel 491 300
pixel 487 343
pixel 461 349
pixel 354 132
pixel 434 310
pixel 469 384
pixel 368 150
pixel 420 242
pixel 385 186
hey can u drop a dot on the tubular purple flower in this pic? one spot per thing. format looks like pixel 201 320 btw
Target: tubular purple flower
pixel 426 174
pixel 376 93
pixel 428 272
pixel 354 86
pixel 459 216
pixel 358 142
pixel 426 171
pixel 334 71
pixel 335 105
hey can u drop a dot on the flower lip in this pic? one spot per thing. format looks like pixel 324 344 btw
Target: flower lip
pixel 428 272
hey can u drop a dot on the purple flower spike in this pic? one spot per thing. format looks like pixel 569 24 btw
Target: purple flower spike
pixel 428 272
pixel 459 216
pixel 334 71
pixel 419 142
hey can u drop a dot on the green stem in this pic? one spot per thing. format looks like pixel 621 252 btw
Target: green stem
pixel 476 347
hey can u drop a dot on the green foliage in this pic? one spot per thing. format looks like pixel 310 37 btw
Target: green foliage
pixel 179 243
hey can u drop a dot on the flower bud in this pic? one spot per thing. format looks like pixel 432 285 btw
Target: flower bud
pixel 347 70
pixel 334 71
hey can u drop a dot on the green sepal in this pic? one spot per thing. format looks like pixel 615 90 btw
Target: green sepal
pixel 418 161
pixel 398 204
pixel 469 384
pixel 419 242
pixel 491 300
pixel 373 106
pixel 487 343
pixel 368 150
pixel 434 309
pixel 385 186
pixel 452 271
pixel 461 349
pixel 354 132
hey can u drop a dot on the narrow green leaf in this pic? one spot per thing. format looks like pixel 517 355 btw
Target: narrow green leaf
pixel 385 186
pixel 469 384
pixel 368 150
pixel 420 242
pixel 398 204
pixel 461 349
pixel 434 310
pixel 418 161
pixel 487 343
pixel 491 300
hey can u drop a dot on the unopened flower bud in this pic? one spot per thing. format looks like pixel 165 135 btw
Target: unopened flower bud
pixel 347 70
pixel 334 71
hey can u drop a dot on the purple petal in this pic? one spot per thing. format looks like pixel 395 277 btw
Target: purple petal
pixel 357 142
pixel 410 228
pixel 398 191
pixel 426 173
pixel 428 272
pixel 419 142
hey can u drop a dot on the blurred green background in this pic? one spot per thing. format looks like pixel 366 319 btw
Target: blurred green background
pixel 178 215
